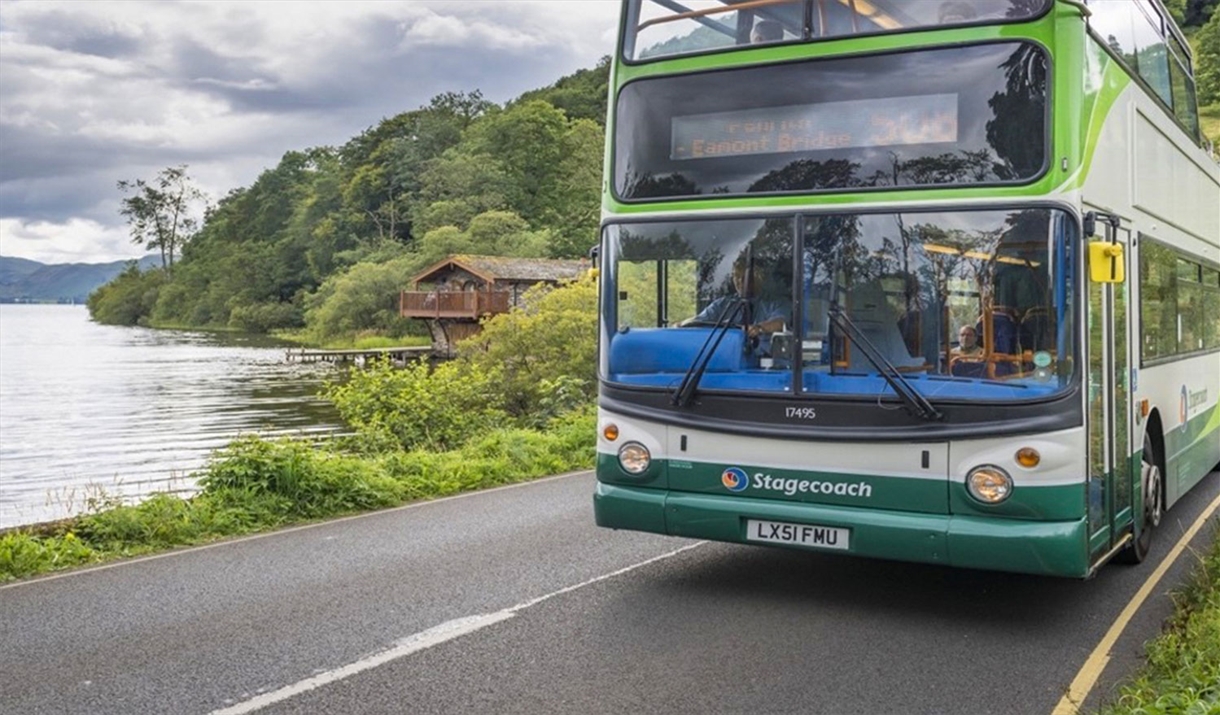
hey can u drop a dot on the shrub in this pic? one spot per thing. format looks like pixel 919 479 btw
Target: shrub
pixel 362 298
pixel 129 298
pixel 417 407
pixel 265 317
pixel 295 479
pixel 23 554
pixel 544 353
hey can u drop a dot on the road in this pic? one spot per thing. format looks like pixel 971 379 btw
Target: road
pixel 512 601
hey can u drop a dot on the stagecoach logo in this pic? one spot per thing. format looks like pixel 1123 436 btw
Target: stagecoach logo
pixel 1190 401
pixel 735 480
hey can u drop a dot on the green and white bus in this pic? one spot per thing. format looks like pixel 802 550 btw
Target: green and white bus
pixel 907 279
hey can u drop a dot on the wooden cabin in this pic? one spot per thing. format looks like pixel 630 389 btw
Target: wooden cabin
pixel 452 296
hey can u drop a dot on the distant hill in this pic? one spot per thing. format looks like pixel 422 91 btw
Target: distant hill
pixel 23 280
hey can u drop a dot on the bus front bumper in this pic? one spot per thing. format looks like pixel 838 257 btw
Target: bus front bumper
pixel 1057 548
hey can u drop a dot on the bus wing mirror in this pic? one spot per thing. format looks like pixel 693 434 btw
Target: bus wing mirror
pixel 1106 263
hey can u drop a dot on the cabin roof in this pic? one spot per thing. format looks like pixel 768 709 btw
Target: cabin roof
pixel 503 268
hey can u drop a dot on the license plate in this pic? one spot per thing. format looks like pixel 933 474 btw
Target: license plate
pixel 775 532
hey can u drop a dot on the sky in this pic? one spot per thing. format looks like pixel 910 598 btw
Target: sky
pixel 93 92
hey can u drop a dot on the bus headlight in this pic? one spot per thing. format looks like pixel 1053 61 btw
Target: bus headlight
pixel 989 484
pixel 634 458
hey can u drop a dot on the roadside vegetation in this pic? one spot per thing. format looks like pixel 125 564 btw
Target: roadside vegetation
pixel 1182 675
pixel 515 405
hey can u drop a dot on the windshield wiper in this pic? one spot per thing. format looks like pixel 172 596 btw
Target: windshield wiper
pixel 915 402
pixel 690 381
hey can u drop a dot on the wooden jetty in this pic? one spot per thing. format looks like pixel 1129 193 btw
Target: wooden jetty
pixel 399 355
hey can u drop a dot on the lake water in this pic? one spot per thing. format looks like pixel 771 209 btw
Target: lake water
pixel 88 409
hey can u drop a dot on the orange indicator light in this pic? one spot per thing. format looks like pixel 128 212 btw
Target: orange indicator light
pixel 610 432
pixel 1028 457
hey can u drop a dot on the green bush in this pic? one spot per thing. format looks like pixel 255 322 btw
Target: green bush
pixel 24 554
pixel 360 299
pixel 129 298
pixel 417 407
pixel 296 479
pixel 544 354
pixel 501 456
pixel 265 317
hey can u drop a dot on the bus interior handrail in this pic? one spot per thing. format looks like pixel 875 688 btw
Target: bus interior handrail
pixel 690 14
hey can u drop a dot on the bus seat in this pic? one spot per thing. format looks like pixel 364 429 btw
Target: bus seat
pixel 639 351
pixel 872 314
pixel 1037 330
pixel 1005 331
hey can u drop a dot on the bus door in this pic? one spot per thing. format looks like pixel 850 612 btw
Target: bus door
pixel 1110 473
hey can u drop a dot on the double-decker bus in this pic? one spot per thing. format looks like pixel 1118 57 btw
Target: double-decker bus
pixel 908 279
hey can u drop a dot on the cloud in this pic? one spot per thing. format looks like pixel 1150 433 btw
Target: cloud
pixel 101 91
pixel 51 242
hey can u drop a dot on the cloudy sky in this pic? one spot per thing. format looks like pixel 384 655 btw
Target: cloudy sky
pixel 93 92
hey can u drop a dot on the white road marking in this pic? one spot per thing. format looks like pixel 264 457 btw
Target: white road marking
pixel 420 641
pixel 423 640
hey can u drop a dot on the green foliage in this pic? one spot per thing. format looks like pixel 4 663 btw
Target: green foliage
pixel 1207 61
pixel 492 233
pixel 296 479
pixel 1209 123
pixel 265 317
pixel 581 95
pixel 160 213
pixel 499 456
pixel 540 351
pixel 1177 8
pixel 360 299
pixel 417 407
pixel 129 298
pixel 1182 675
pixel 24 554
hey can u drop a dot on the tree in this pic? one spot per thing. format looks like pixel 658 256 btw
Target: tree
pixel 1207 62
pixel 545 346
pixel 161 214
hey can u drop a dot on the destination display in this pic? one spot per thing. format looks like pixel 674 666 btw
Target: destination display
pixel 889 121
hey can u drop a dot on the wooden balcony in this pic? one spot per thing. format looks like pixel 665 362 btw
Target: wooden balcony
pixel 470 305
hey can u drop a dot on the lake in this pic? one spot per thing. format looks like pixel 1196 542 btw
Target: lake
pixel 90 410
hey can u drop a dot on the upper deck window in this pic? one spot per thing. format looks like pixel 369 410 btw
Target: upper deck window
pixel 662 28
pixel 951 116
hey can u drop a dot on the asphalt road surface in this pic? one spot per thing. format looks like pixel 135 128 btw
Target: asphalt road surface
pixel 512 601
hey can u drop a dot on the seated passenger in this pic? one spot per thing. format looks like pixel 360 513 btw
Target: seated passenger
pixel 767 31
pixel 967 343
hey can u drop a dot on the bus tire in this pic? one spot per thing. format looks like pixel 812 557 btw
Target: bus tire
pixel 1152 486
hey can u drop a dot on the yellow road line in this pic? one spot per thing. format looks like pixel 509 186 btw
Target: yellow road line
pixel 1084 681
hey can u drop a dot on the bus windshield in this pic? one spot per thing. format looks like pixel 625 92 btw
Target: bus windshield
pixel 965 304
pixel 965 115
pixel 661 28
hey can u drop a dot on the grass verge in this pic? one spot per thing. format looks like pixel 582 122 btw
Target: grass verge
pixel 1209 122
pixel 1182 675
pixel 257 485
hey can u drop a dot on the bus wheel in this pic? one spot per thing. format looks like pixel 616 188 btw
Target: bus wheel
pixel 1150 484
